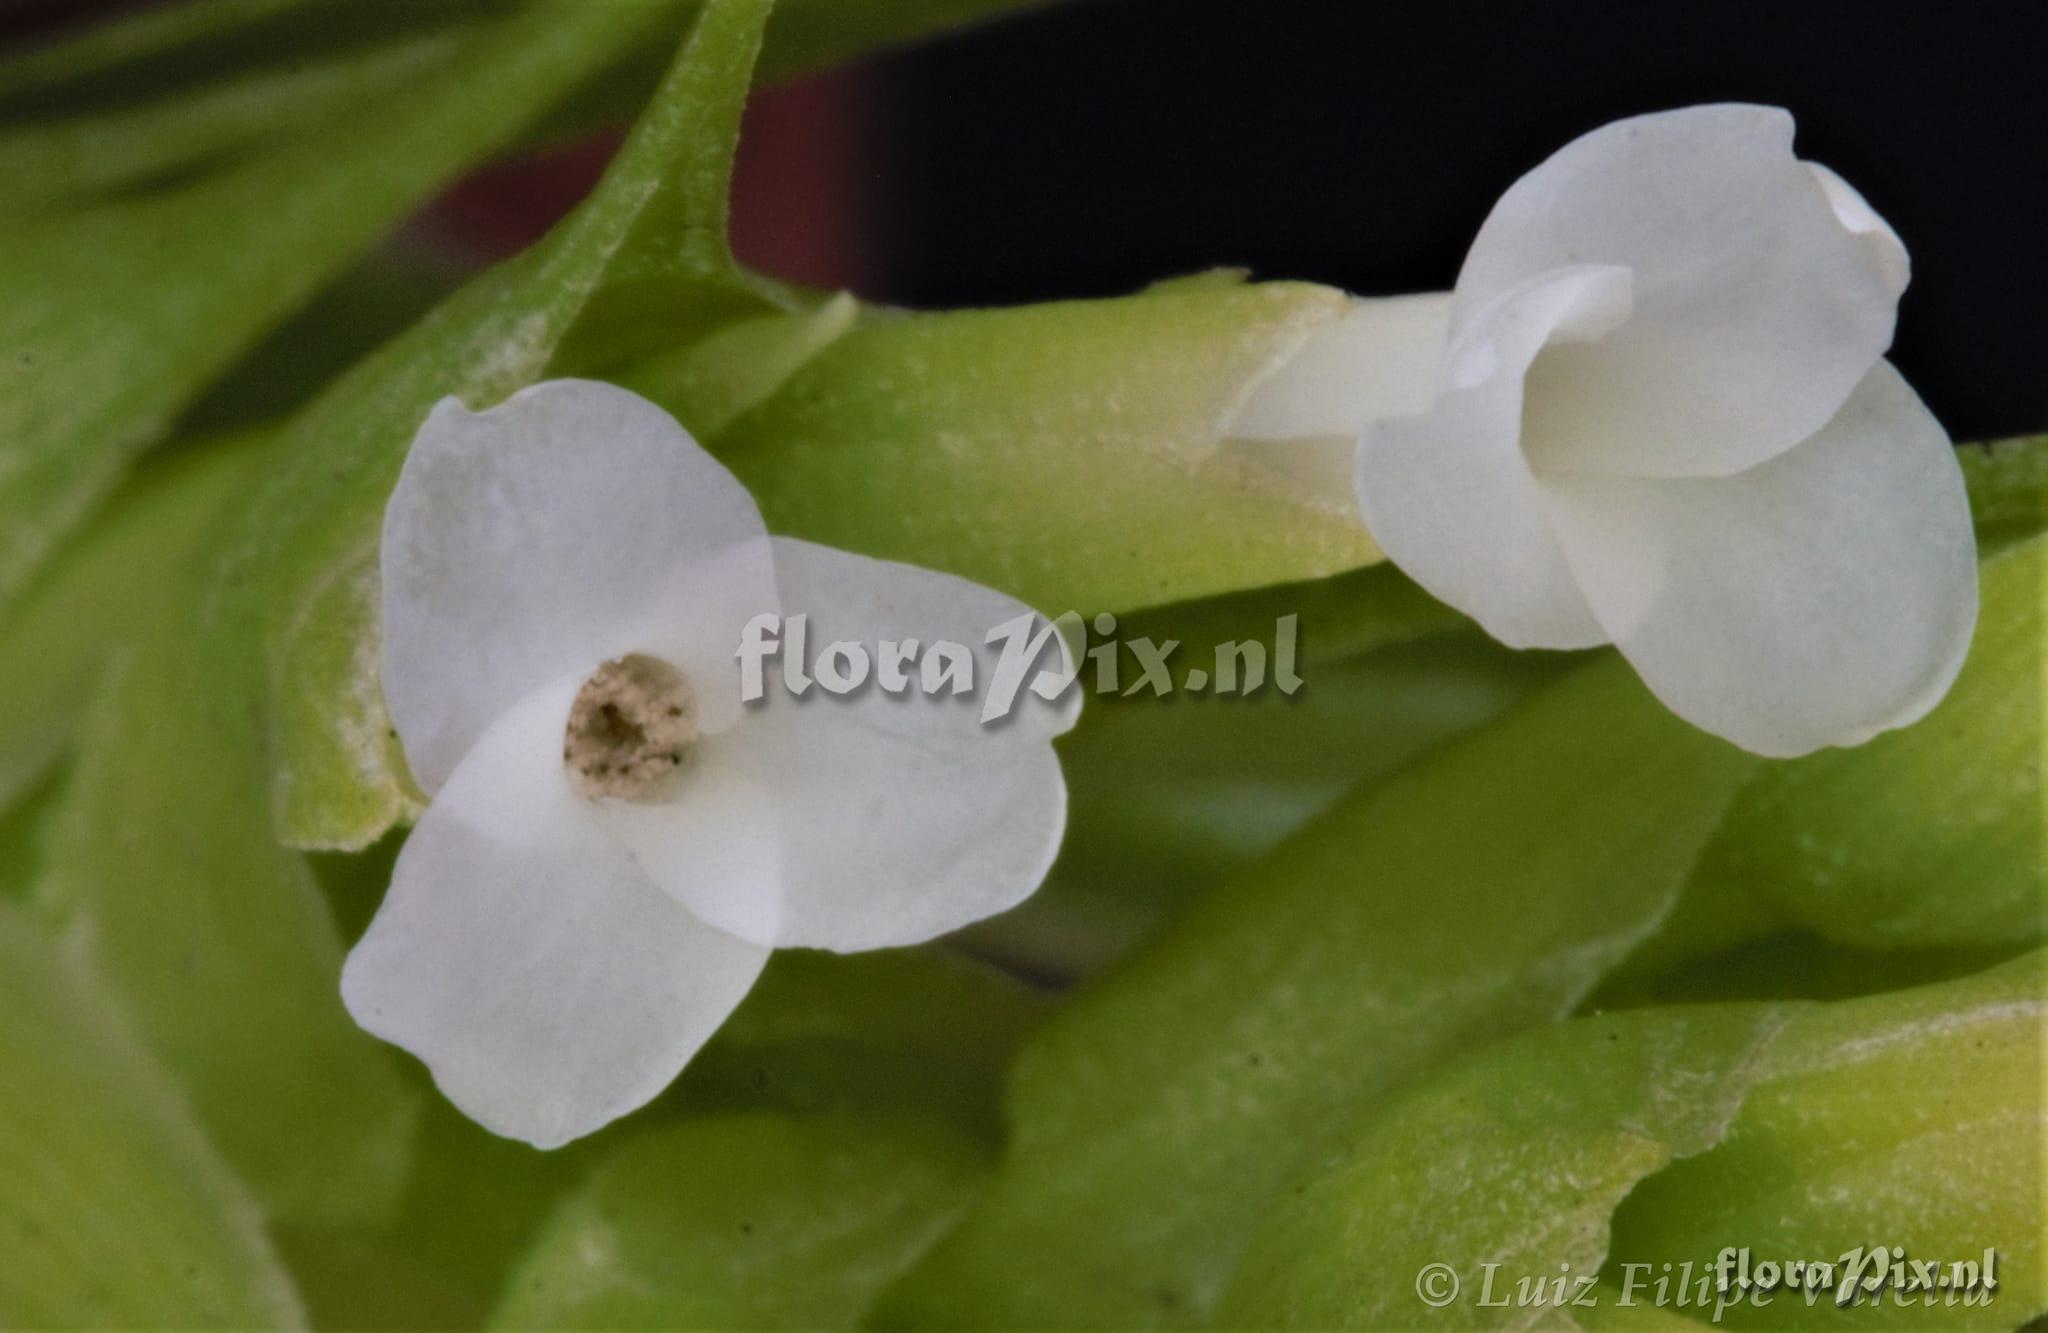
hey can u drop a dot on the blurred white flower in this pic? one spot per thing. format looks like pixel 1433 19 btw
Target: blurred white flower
pixel 615 843
pixel 1654 412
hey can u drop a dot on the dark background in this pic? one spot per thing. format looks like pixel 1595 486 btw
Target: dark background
pixel 1090 148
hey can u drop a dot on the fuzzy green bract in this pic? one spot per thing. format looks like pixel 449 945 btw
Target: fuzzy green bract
pixel 1617 1145
pixel 54 643
pixel 117 1210
pixel 1071 454
pixel 1246 774
pixel 1382 936
pixel 785 1223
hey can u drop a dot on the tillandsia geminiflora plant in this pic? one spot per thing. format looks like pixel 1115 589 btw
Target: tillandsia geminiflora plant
pixel 652 694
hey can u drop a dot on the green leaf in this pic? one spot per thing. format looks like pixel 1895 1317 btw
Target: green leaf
pixel 161 867
pixel 746 1221
pixel 53 643
pixel 214 936
pixel 1800 1130
pixel 1515 1157
pixel 133 42
pixel 1388 673
pixel 117 1212
pixel 900 1031
pixel 942 1005
pixel 135 302
pixel 77 159
pixel 2008 483
pixel 473 1205
pixel 1912 1119
pixel 1169 798
pixel 1070 453
pixel 1482 890
pixel 98 585
pixel 25 834
pixel 1339 617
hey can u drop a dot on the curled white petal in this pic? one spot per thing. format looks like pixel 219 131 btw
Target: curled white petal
pixel 573 523
pixel 1881 245
pixel 1817 599
pixel 1755 311
pixel 1449 495
pixel 521 954
pixel 897 816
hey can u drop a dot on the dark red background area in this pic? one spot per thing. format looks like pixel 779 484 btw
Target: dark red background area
pixel 802 187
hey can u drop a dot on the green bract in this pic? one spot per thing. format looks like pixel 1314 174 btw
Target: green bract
pixel 786 1222
pixel 1803 1131
pixel 1224 1057
pixel 117 1210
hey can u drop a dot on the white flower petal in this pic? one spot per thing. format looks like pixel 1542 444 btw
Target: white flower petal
pixel 1756 312
pixel 524 957
pixel 713 842
pixel 899 817
pixel 1376 361
pixel 573 523
pixel 1882 246
pixel 1448 494
pixel 1816 599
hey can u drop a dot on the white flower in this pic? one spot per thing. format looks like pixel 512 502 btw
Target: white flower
pixel 1654 412
pixel 615 841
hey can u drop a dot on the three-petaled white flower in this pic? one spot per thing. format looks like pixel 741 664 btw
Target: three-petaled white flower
pixel 615 842
pixel 1654 412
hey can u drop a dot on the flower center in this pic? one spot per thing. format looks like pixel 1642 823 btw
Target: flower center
pixel 632 725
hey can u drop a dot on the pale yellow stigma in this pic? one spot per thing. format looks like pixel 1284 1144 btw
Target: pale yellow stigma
pixel 632 726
